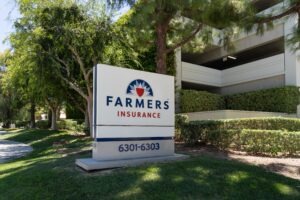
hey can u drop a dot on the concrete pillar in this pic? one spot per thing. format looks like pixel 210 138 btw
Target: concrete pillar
pixel 178 68
pixel 178 79
pixel 291 59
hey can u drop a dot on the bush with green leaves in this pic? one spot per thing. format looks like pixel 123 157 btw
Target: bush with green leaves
pixel 63 124
pixel 70 124
pixel 196 101
pixel 22 124
pixel 270 142
pixel 284 99
pixel 180 120
pixel 257 135
pixel 42 124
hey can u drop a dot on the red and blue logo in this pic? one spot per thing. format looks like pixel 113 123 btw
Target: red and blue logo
pixel 139 88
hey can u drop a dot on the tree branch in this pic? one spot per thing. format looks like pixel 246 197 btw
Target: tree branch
pixel 186 40
pixel 79 61
pixel 90 71
pixel 289 11
pixel 82 68
pixel 63 63
pixel 74 87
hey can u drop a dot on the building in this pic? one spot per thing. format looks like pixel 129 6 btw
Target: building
pixel 259 61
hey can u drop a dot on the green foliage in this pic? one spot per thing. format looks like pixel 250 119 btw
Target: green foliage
pixel 65 124
pixel 271 142
pixel 70 124
pixel 42 124
pixel 283 99
pixel 257 135
pixel 73 112
pixel 195 101
pixel 22 124
pixel 165 24
pixel 147 61
pixel 180 120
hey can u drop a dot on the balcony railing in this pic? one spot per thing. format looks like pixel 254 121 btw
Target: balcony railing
pixel 259 69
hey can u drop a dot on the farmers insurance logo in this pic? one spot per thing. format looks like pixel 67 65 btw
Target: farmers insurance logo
pixel 137 91
pixel 139 88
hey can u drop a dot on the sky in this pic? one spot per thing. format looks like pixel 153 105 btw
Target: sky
pixel 8 13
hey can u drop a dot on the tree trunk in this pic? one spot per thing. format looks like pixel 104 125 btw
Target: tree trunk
pixel 32 115
pixel 86 119
pixel 161 48
pixel 90 113
pixel 54 119
pixel 7 121
pixel 58 113
pixel 49 118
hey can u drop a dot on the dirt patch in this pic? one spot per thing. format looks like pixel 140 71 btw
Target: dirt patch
pixel 289 167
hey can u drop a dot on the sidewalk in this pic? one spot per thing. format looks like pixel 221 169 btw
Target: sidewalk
pixel 10 150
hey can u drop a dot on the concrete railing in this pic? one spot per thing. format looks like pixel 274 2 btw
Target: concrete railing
pixel 259 69
pixel 201 75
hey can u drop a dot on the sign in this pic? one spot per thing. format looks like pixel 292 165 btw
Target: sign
pixel 133 114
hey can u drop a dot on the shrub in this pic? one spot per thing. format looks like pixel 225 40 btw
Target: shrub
pixel 196 101
pixel 180 120
pixel 275 123
pixel 257 141
pixel 70 124
pixel 283 99
pixel 42 124
pixel 22 124
pixel 258 135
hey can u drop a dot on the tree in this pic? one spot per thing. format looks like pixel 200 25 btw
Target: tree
pixel 30 76
pixel 72 37
pixel 75 42
pixel 261 22
pixel 10 102
pixel 157 19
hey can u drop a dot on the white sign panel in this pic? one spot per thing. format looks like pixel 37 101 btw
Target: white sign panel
pixel 131 97
pixel 133 113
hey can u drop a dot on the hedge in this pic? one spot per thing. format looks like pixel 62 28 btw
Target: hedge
pixel 42 124
pixel 196 101
pixel 258 135
pixel 66 124
pixel 283 99
pixel 180 120
pixel 270 142
pixel 275 123
pixel 197 130
pixel 22 124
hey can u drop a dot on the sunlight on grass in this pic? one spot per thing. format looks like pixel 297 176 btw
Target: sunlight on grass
pixel 285 189
pixel 11 168
pixel 178 179
pixel 152 174
pixel 237 176
pixel 201 170
pixel 49 137
pixel 130 192
pixel 47 173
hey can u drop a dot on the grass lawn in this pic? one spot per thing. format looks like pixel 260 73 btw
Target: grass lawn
pixel 49 174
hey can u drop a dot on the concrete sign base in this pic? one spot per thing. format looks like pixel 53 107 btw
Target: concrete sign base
pixel 90 164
